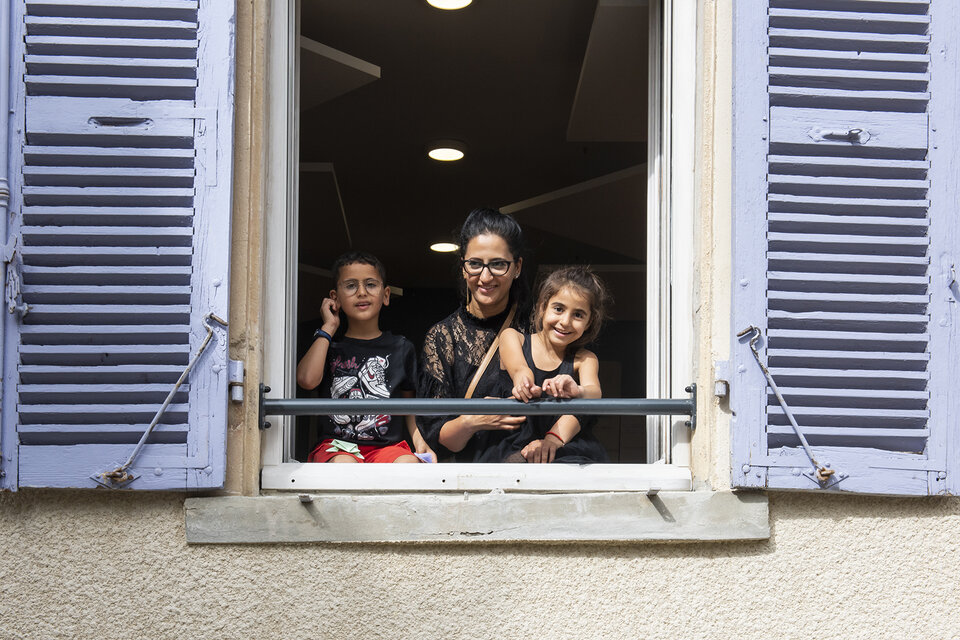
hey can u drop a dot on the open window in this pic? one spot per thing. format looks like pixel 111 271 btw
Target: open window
pixel 559 108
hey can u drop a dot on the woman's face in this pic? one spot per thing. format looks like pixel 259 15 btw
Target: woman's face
pixel 489 289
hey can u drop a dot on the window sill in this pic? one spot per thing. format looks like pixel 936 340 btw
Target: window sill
pixel 476 477
pixel 610 516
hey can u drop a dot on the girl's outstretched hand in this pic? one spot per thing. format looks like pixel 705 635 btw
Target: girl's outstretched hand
pixel 562 386
pixel 541 451
pixel 524 388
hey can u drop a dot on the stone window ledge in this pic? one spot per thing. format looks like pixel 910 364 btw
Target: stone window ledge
pixel 497 516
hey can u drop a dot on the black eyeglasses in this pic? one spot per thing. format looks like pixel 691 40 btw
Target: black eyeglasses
pixel 475 267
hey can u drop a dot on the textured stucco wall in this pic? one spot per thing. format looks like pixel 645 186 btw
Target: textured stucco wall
pixel 92 565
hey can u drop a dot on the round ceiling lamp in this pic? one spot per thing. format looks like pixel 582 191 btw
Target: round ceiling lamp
pixel 444 247
pixel 446 150
pixel 449 5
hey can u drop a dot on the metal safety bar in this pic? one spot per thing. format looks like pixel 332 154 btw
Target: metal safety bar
pixel 463 406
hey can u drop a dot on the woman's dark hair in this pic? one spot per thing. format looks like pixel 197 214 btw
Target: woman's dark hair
pixel 484 220
pixel 585 281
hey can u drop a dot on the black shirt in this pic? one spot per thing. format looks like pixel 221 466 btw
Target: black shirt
pixel 377 368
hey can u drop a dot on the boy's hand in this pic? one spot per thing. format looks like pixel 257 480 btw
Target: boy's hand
pixel 329 310
pixel 562 386
pixel 543 451
pixel 421 449
pixel 524 388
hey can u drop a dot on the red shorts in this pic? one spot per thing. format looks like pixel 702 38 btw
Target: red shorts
pixel 370 453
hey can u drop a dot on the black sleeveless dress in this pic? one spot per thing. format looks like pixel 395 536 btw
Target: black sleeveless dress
pixel 583 448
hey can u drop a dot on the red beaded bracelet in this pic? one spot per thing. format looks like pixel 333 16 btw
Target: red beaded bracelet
pixel 554 434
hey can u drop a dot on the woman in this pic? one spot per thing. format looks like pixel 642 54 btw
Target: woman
pixel 491 264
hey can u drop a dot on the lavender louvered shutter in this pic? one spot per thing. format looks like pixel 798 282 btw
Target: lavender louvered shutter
pixel 846 244
pixel 121 176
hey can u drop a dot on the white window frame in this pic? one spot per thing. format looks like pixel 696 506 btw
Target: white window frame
pixel 670 362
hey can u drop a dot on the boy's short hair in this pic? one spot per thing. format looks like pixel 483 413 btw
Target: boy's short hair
pixel 357 257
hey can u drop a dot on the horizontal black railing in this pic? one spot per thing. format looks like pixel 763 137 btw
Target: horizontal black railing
pixel 463 406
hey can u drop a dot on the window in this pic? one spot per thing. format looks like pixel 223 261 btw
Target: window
pixel 668 199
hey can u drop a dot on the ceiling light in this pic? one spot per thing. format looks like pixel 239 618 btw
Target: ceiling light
pixel 446 150
pixel 444 247
pixel 449 4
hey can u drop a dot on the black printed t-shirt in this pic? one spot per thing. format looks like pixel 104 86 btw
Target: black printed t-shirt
pixel 377 368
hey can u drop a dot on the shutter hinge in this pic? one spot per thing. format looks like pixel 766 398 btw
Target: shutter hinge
pixel 13 287
pixel 721 378
pixel 235 374
pixel 9 250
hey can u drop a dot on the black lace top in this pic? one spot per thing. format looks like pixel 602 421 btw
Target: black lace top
pixel 452 351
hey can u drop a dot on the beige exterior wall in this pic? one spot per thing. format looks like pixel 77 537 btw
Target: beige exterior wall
pixel 97 564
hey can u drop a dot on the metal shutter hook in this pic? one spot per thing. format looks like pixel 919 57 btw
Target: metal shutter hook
pixel 821 472
pixel 120 476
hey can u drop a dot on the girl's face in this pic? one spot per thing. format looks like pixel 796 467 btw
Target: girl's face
pixel 566 317
pixel 487 276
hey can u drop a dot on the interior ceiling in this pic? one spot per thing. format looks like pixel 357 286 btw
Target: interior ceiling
pixel 502 76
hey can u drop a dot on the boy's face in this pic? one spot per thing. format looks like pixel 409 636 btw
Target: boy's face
pixel 360 292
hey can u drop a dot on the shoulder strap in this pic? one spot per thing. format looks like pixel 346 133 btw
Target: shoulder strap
pixel 492 350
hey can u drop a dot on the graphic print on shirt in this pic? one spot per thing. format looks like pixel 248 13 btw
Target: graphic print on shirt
pixel 355 380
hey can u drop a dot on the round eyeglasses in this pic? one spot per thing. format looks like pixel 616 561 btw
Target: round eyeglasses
pixel 350 287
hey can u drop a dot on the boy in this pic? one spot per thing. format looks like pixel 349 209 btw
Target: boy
pixel 365 363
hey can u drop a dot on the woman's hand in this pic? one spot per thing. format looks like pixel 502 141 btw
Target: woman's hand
pixel 524 387
pixel 329 311
pixel 455 434
pixel 493 423
pixel 562 386
pixel 541 450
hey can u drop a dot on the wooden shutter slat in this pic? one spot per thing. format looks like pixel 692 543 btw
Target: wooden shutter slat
pixel 849 40
pixel 844 20
pixel 119 314
pixel 104 334
pixel 66 374
pixel 851 378
pixel 905 80
pixel 815 220
pixel 819 279
pixel 109 236
pixel 853 167
pixel 88 6
pixel 854 395
pixel 838 183
pixel 853 359
pixel 66 433
pixel 85 294
pixel 866 336
pixel 75 176
pixel 842 262
pixel 908 245
pixel 106 275
pixel 113 47
pixel 865 433
pixel 867 60
pixel 112 157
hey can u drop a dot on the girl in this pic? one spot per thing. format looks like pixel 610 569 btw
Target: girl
pixel 569 312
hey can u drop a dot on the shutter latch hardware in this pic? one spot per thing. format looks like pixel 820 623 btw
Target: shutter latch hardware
pixel 856 135
pixel 821 472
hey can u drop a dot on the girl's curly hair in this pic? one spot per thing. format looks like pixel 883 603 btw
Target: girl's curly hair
pixel 584 281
